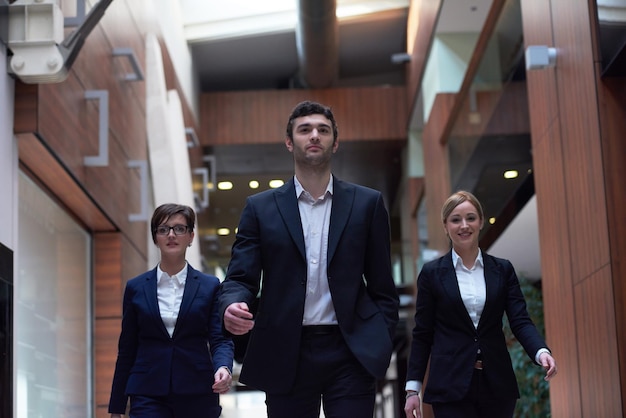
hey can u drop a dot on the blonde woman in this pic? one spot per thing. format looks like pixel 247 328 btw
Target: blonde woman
pixel 461 300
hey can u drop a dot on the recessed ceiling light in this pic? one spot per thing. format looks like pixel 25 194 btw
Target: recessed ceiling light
pixel 223 231
pixel 510 174
pixel 225 185
pixel 276 183
pixel 492 220
pixel 253 184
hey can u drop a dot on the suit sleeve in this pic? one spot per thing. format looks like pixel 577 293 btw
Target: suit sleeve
pixel 423 331
pixel 243 276
pixel 521 324
pixel 222 347
pixel 380 284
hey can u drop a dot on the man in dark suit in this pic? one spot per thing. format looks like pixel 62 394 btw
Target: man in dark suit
pixel 317 252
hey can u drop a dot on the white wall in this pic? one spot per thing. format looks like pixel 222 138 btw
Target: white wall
pixel 8 157
pixel 446 66
pixel 169 16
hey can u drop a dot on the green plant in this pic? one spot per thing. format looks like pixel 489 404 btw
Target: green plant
pixel 534 399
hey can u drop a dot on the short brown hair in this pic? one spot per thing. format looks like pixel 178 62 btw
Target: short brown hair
pixel 166 211
pixel 456 199
pixel 307 108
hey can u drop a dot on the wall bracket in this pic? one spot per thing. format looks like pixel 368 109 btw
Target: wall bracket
pixel 102 159
pixel 137 74
pixel 142 165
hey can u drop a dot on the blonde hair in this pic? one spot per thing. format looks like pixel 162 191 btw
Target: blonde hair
pixel 456 199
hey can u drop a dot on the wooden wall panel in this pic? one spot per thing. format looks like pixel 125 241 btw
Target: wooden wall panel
pixel 595 318
pixel 254 117
pixel 97 70
pixel 26 107
pixel 108 259
pixel 107 271
pixel 556 269
pixel 117 260
pixel 65 121
pixel 572 208
pixel 41 163
pixel 509 106
pixel 559 310
pixel 71 130
pixel 581 135
pixel 121 31
pixel 107 332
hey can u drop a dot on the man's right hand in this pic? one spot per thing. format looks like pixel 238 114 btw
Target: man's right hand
pixel 238 319
pixel 412 407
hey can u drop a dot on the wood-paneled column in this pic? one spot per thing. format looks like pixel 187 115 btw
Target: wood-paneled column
pixel 108 313
pixel 572 204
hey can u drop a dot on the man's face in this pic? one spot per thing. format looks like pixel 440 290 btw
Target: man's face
pixel 313 142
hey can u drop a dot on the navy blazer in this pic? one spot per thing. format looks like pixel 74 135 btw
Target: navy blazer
pixel 149 361
pixel 270 244
pixel 445 333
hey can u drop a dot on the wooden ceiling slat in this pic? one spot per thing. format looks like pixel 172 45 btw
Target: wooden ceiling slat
pixel 48 170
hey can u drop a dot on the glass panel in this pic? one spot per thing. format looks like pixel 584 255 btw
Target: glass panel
pixel 612 36
pixel 490 145
pixel 52 310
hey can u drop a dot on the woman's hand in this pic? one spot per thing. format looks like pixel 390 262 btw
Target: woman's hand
pixel 549 364
pixel 412 406
pixel 223 380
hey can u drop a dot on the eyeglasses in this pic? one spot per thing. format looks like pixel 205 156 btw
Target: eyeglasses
pixel 165 230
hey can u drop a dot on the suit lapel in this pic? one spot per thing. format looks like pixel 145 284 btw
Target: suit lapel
pixel 287 205
pixel 343 199
pixel 451 287
pixel 150 291
pixel 192 283
pixel 492 285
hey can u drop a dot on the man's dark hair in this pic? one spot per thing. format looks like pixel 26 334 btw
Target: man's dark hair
pixel 307 108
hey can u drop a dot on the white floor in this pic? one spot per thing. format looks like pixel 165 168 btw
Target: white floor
pixel 251 404
pixel 245 404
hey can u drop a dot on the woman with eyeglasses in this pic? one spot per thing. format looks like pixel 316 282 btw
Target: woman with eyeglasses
pixel 173 361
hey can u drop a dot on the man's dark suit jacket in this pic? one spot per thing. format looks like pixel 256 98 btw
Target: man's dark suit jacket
pixel 149 360
pixel 270 243
pixel 445 333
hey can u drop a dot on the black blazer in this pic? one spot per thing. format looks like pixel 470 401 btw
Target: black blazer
pixel 152 363
pixel 270 244
pixel 445 333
